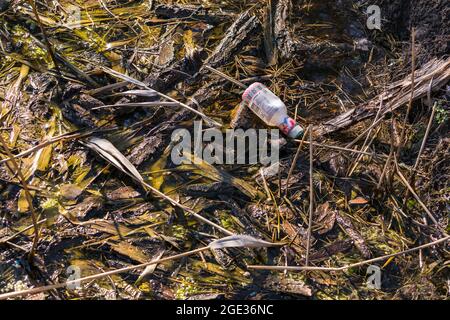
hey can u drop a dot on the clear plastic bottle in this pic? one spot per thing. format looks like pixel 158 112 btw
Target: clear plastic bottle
pixel 270 109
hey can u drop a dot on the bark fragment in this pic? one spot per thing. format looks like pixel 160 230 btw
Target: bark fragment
pixel 181 70
pixel 144 150
pixel 237 35
pixel 283 38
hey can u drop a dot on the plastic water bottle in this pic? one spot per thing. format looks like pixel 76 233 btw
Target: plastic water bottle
pixel 266 105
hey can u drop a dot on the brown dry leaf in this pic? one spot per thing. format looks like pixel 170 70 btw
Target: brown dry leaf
pixel 325 218
pixel 166 53
pixel 297 234
pixel 329 250
pixel 109 227
pixel 350 230
pixel 130 251
pixel 358 200
pixel 70 191
pixel 122 193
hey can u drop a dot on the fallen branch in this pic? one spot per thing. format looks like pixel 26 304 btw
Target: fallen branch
pixel 243 28
pixel 283 39
pixel 395 96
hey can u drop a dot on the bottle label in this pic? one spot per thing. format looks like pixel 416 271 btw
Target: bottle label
pixel 258 97
pixel 287 125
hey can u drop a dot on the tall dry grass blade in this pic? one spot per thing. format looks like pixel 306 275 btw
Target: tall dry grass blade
pixel 353 265
pixel 138 104
pixel 311 197
pixel 294 161
pixel 407 185
pixel 143 85
pixel 227 77
pixel 138 93
pixel 151 268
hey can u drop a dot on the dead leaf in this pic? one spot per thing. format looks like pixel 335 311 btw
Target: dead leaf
pixel 122 193
pixel 157 167
pixel 108 227
pixel 22 203
pixel 70 191
pixel 130 251
pixel 350 230
pixel 110 153
pixel 295 233
pixel 325 218
pixel 358 200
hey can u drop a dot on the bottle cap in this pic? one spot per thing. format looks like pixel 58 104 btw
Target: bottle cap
pixel 290 128
pixel 295 132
